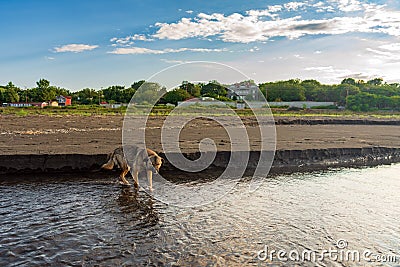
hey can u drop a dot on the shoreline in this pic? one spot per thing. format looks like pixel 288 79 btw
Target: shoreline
pixel 285 162
pixel 80 145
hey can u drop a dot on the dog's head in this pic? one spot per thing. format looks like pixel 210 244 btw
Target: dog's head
pixel 156 162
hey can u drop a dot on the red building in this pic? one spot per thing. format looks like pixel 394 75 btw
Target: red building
pixel 64 100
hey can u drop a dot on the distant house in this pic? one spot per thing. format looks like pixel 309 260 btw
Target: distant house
pixel 112 105
pixel 53 103
pixel 104 104
pixel 64 100
pixel 115 105
pixel 247 90
pixel 27 104
pixel 240 105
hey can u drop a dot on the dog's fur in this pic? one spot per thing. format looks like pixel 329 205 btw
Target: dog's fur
pixel 137 159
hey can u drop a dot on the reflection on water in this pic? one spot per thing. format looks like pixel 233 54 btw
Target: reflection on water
pixel 93 222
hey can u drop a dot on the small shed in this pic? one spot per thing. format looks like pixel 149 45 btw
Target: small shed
pixel 64 100
pixel 28 104
pixel 53 103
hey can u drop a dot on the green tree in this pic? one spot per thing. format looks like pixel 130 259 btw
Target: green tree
pixel 351 81
pixel 376 81
pixel 383 90
pixel 339 93
pixel 395 102
pixel 149 92
pixel 42 84
pixel 45 91
pixel 361 102
pixel 261 86
pixel 285 91
pixel 192 89
pixel 11 93
pixel 49 93
pixel 33 94
pixel 137 84
pixel 85 96
pixel 114 93
pixel 176 96
pixel 213 89
pixel 127 94
pixel 312 89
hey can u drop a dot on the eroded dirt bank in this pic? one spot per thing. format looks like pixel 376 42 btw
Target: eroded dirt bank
pixel 286 161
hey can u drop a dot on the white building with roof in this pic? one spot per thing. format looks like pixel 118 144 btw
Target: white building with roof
pixel 244 90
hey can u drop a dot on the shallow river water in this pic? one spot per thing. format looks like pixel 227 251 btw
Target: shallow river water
pixel 307 217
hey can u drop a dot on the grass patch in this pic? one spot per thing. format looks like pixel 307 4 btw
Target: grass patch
pixel 22 113
pixel 95 110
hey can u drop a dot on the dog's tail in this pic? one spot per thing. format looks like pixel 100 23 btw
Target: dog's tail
pixel 109 165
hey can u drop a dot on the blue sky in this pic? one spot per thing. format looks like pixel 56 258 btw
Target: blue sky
pixel 78 44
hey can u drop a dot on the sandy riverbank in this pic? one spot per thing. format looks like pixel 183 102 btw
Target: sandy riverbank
pixel 69 144
pixel 101 134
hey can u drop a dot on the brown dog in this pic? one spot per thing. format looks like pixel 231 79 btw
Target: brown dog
pixel 137 159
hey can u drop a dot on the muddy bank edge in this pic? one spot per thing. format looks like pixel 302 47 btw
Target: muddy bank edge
pixel 285 161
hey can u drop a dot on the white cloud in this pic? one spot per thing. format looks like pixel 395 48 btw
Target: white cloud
pixel 328 69
pixel 261 25
pixel 141 50
pixel 293 6
pixel 275 8
pixel 383 20
pixel 261 13
pixel 75 48
pixel 348 5
pixel 172 61
pixel 189 11
pixel 141 37
pixel 251 50
pixel 333 74
pixel 321 7
pixel 391 47
pixel 331 71
pixel 389 53
pixel 135 51
pixel 129 40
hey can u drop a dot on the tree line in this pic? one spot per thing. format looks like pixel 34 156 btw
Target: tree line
pixel 357 95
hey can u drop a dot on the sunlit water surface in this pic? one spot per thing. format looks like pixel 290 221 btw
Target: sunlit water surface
pixel 96 222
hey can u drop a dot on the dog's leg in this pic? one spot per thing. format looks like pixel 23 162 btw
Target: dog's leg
pixel 125 170
pixel 150 179
pixel 136 177
pixel 110 163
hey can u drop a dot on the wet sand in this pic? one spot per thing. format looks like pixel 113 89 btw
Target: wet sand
pixel 101 134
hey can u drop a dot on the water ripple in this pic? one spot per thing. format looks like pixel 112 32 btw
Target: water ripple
pixel 95 222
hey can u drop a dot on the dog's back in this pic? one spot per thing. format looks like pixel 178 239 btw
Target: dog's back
pixel 131 156
pixel 135 158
